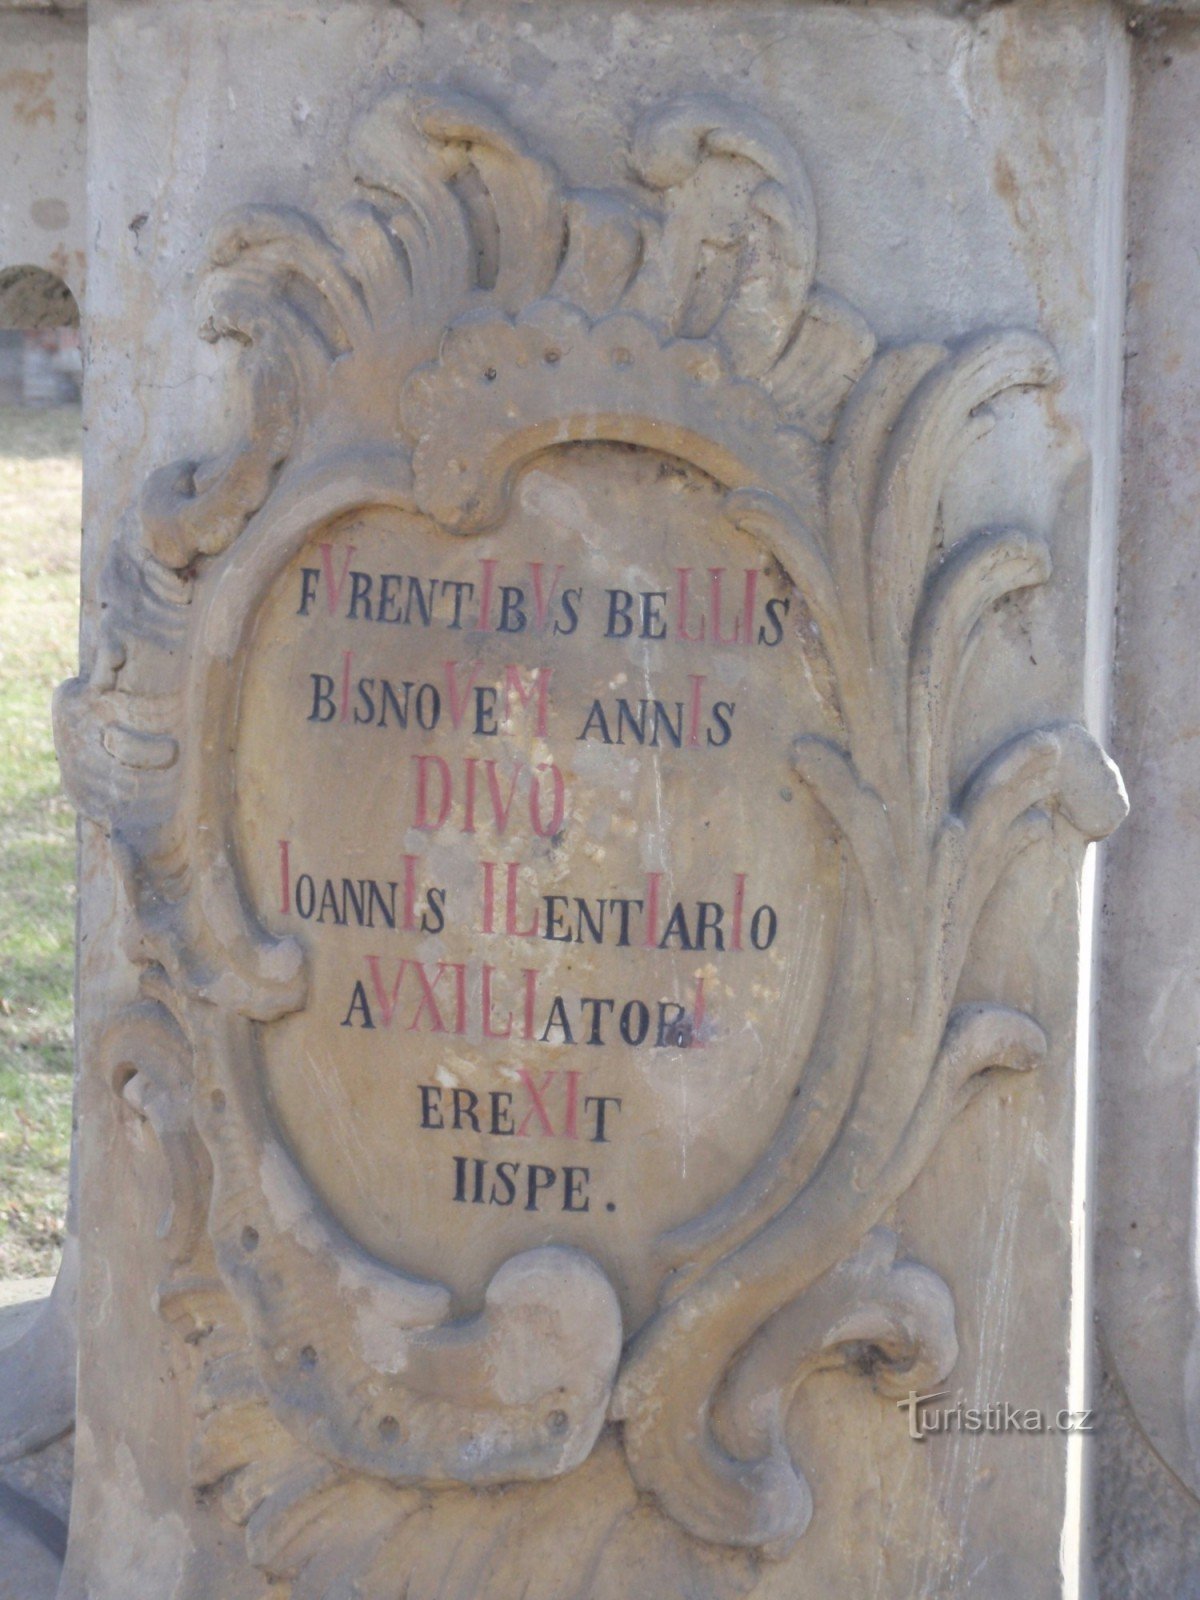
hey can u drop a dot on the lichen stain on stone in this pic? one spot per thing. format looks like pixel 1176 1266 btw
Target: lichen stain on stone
pixel 51 214
pixel 150 1553
pixel 30 91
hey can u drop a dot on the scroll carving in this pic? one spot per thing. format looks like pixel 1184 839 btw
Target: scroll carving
pixel 501 314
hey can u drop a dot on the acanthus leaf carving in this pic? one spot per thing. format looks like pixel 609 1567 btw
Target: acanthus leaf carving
pixel 504 314
pixel 925 866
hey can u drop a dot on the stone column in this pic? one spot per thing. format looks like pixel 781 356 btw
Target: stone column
pixel 1147 1473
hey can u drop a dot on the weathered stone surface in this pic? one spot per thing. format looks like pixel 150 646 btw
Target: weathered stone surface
pixel 36 1414
pixel 37 1340
pixel 32 1565
pixel 1146 1531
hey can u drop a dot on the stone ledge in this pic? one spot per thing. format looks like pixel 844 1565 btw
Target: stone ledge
pixel 22 1291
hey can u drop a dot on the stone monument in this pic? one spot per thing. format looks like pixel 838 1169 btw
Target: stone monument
pixel 587 738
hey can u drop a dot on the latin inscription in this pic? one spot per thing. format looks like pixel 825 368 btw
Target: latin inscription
pixel 527 801
pixel 537 605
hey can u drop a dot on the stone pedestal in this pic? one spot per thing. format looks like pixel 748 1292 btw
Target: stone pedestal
pixel 602 538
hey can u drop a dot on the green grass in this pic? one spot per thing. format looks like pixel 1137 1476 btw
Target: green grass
pixel 39 587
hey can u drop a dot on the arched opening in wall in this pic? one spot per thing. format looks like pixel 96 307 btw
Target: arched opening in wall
pixel 41 361
pixel 32 298
pixel 40 529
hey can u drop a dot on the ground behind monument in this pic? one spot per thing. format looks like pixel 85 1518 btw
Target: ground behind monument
pixel 40 487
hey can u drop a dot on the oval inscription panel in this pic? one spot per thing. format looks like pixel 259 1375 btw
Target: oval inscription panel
pixel 526 800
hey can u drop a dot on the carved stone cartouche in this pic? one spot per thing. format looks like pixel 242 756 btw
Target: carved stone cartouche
pixel 460 314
